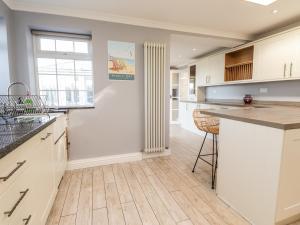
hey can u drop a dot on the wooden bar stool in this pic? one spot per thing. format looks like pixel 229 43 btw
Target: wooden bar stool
pixel 210 125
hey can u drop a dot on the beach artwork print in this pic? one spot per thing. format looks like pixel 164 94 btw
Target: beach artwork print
pixel 121 60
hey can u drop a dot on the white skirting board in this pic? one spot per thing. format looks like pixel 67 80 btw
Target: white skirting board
pixel 112 159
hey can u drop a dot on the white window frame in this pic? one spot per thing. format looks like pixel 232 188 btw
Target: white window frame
pixel 37 53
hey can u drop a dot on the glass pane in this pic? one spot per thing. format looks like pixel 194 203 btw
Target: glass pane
pixel 66 98
pixel 46 66
pixel 84 83
pixel 83 67
pixel 64 46
pixel 47 44
pixel 65 66
pixel 47 82
pixel 84 98
pixel 66 83
pixel 51 99
pixel 81 47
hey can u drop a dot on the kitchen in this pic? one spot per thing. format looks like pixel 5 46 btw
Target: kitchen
pixel 85 121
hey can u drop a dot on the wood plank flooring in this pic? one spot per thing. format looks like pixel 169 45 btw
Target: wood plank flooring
pixel 158 191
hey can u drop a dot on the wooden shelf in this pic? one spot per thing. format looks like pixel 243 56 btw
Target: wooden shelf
pixel 239 64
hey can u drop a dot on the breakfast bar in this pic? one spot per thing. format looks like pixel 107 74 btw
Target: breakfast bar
pixel 258 171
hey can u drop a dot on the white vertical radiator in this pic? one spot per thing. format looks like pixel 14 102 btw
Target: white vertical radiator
pixel 155 67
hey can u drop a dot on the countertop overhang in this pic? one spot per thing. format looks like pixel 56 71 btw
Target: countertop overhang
pixel 280 117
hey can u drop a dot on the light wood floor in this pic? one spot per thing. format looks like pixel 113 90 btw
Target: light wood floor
pixel 150 192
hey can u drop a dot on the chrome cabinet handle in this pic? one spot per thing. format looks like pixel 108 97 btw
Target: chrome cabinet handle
pixel 291 69
pixel 284 70
pixel 44 138
pixel 23 194
pixel 19 165
pixel 27 220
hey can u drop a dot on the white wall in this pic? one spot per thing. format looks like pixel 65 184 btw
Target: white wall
pixel 4 68
pixel 6 48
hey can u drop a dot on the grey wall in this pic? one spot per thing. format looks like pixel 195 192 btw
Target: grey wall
pixel 6 48
pixel 116 125
pixel 277 91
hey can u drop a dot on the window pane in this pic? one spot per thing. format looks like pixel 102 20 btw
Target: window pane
pixel 64 46
pixel 51 98
pixel 84 83
pixel 85 98
pixel 47 44
pixel 83 67
pixel 65 66
pixel 66 98
pixel 47 82
pixel 46 66
pixel 66 83
pixel 81 47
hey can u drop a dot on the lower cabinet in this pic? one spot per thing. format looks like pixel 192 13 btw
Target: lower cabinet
pixel 60 158
pixel 38 166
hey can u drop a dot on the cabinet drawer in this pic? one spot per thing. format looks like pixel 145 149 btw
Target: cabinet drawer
pixel 12 201
pixel 16 162
pixel 27 214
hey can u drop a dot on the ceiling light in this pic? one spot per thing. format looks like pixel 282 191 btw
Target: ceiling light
pixel 275 11
pixel 262 2
pixel 194 49
pixel 179 56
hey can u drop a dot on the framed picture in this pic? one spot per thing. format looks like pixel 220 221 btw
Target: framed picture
pixel 121 60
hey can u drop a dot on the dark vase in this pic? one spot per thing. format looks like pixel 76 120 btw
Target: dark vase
pixel 248 99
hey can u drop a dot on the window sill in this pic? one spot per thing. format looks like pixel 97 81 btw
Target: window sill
pixel 66 109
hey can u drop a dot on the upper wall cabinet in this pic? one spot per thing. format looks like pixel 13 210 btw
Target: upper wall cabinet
pixel 295 70
pixel 277 57
pixel 210 70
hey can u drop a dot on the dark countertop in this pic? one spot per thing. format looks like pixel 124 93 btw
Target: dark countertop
pixel 16 131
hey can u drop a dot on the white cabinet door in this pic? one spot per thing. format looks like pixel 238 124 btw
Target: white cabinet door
pixel 46 189
pixel 201 73
pixel 288 204
pixel 272 57
pixel 295 66
pixel 217 65
pixel 210 70
pixel 60 158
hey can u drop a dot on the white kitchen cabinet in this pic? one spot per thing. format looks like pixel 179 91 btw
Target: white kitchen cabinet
pixel 186 116
pixel 60 158
pixel 288 203
pixel 277 57
pixel 258 173
pixel 60 148
pixel 43 164
pixel 295 67
pixel 210 70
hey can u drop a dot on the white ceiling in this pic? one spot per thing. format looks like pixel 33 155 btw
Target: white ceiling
pixel 227 18
pixel 186 48
pixel 220 23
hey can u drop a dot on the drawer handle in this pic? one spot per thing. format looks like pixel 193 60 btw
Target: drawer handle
pixel 60 137
pixel 44 138
pixel 23 193
pixel 19 165
pixel 27 220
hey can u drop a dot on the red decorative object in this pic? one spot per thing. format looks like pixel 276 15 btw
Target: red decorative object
pixel 248 99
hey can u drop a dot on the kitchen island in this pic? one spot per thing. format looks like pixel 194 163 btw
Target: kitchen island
pixel 259 170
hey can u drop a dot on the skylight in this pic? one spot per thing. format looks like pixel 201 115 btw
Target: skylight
pixel 262 2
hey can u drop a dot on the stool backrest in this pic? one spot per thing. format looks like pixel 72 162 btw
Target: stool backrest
pixel 206 123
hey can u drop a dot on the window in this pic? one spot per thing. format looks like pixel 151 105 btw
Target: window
pixel 64 69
